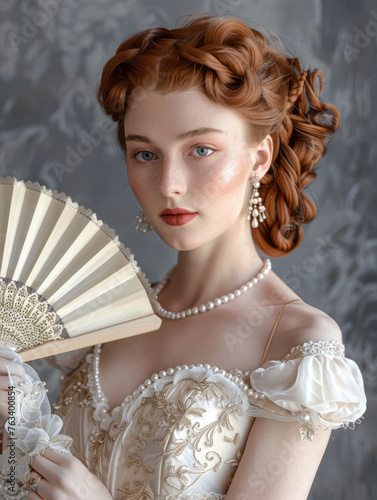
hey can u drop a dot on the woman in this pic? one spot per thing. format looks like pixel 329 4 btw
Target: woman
pixel 221 133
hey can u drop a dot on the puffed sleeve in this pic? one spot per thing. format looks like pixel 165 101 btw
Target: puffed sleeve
pixel 314 384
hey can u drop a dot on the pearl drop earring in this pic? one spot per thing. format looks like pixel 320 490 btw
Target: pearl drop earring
pixel 255 200
pixel 143 224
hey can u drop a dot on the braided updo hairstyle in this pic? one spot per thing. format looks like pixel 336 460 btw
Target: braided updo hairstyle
pixel 238 67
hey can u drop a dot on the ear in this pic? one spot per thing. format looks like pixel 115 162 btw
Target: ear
pixel 262 158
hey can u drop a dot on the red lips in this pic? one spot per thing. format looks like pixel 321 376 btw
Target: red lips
pixel 175 211
pixel 177 216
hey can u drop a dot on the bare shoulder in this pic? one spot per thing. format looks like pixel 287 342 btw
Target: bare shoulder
pixel 299 323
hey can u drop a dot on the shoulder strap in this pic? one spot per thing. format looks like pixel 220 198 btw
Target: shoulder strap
pixel 273 331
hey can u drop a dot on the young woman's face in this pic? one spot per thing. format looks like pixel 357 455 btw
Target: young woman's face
pixel 175 161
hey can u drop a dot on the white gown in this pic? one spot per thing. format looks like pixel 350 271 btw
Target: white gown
pixel 182 433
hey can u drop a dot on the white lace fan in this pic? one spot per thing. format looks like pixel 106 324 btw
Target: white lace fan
pixel 66 281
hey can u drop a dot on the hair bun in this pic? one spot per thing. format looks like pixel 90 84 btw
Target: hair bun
pixel 238 67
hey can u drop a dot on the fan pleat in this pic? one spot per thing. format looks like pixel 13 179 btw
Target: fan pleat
pixel 106 260
pixel 9 226
pixel 123 309
pixel 90 241
pixel 19 222
pixel 5 202
pixel 62 267
pixel 65 232
pixel 97 275
pixel 38 230
pixel 117 280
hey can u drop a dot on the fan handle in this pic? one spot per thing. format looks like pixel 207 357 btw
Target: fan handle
pixel 130 328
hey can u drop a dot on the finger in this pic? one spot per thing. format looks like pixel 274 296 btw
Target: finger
pixel 14 369
pixel 74 482
pixel 32 477
pixel 46 468
pixel 10 355
pixel 7 390
pixel 16 380
pixel 57 457
pixel 8 350
pixel 11 369
pixel 4 380
pixel 4 344
pixel 55 479
pixel 47 491
pixel 32 495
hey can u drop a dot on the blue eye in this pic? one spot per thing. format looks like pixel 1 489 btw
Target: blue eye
pixel 144 158
pixel 148 155
pixel 201 148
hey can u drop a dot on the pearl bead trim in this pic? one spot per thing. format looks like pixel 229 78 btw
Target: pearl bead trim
pixel 312 348
pixel 100 401
pixel 211 304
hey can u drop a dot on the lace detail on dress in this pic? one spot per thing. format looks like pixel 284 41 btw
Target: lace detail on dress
pixel 177 426
pixel 12 491
pixel 75 389
pixel 311 348
pixel 169 421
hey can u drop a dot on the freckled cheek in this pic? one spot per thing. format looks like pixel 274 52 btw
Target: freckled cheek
pixel 223 180
pixel 140 185
pixel 232 175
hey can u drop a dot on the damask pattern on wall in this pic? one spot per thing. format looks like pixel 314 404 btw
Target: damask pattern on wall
pixel 52 131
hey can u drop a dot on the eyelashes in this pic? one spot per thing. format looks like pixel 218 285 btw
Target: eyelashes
pixel 142 151
pixel 204 147
pixel 135 155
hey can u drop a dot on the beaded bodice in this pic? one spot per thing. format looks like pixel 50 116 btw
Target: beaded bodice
pixel 102 413
pixel 174 433
pixel 182 433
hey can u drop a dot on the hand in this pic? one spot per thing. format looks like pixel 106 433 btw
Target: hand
pixel 13 361
pixel 64 477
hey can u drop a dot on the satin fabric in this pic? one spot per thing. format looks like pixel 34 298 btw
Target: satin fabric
pixel 330 388
pixel 184 435
pixel 196 448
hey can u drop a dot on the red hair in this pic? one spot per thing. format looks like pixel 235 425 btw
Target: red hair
pixel 238 67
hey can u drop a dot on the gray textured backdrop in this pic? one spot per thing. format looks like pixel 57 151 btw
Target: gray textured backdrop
pixel 52 54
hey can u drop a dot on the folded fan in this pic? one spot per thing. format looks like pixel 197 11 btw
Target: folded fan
pixel 66 281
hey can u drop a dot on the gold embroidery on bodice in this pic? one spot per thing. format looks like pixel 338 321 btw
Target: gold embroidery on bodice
pixel 172 419
pixel 75 389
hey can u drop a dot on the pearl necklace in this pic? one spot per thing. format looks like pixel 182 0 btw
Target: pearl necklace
pixel 100 401
pixel 210 305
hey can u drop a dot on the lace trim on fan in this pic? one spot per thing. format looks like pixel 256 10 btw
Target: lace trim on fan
pixel 26 318
pixel 311 348
pixel 87 212
pixel 148 288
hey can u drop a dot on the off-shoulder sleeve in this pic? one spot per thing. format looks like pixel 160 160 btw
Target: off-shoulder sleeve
pixel 314 384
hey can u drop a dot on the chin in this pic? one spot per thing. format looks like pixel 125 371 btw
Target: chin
pixel 180 242
pixel 181 247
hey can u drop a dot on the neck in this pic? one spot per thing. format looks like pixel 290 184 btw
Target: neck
pixel 212 270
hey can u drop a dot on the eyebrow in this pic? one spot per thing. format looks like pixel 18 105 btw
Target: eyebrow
pixel 184 135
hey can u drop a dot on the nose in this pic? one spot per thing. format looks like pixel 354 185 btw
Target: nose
pixel 172 177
